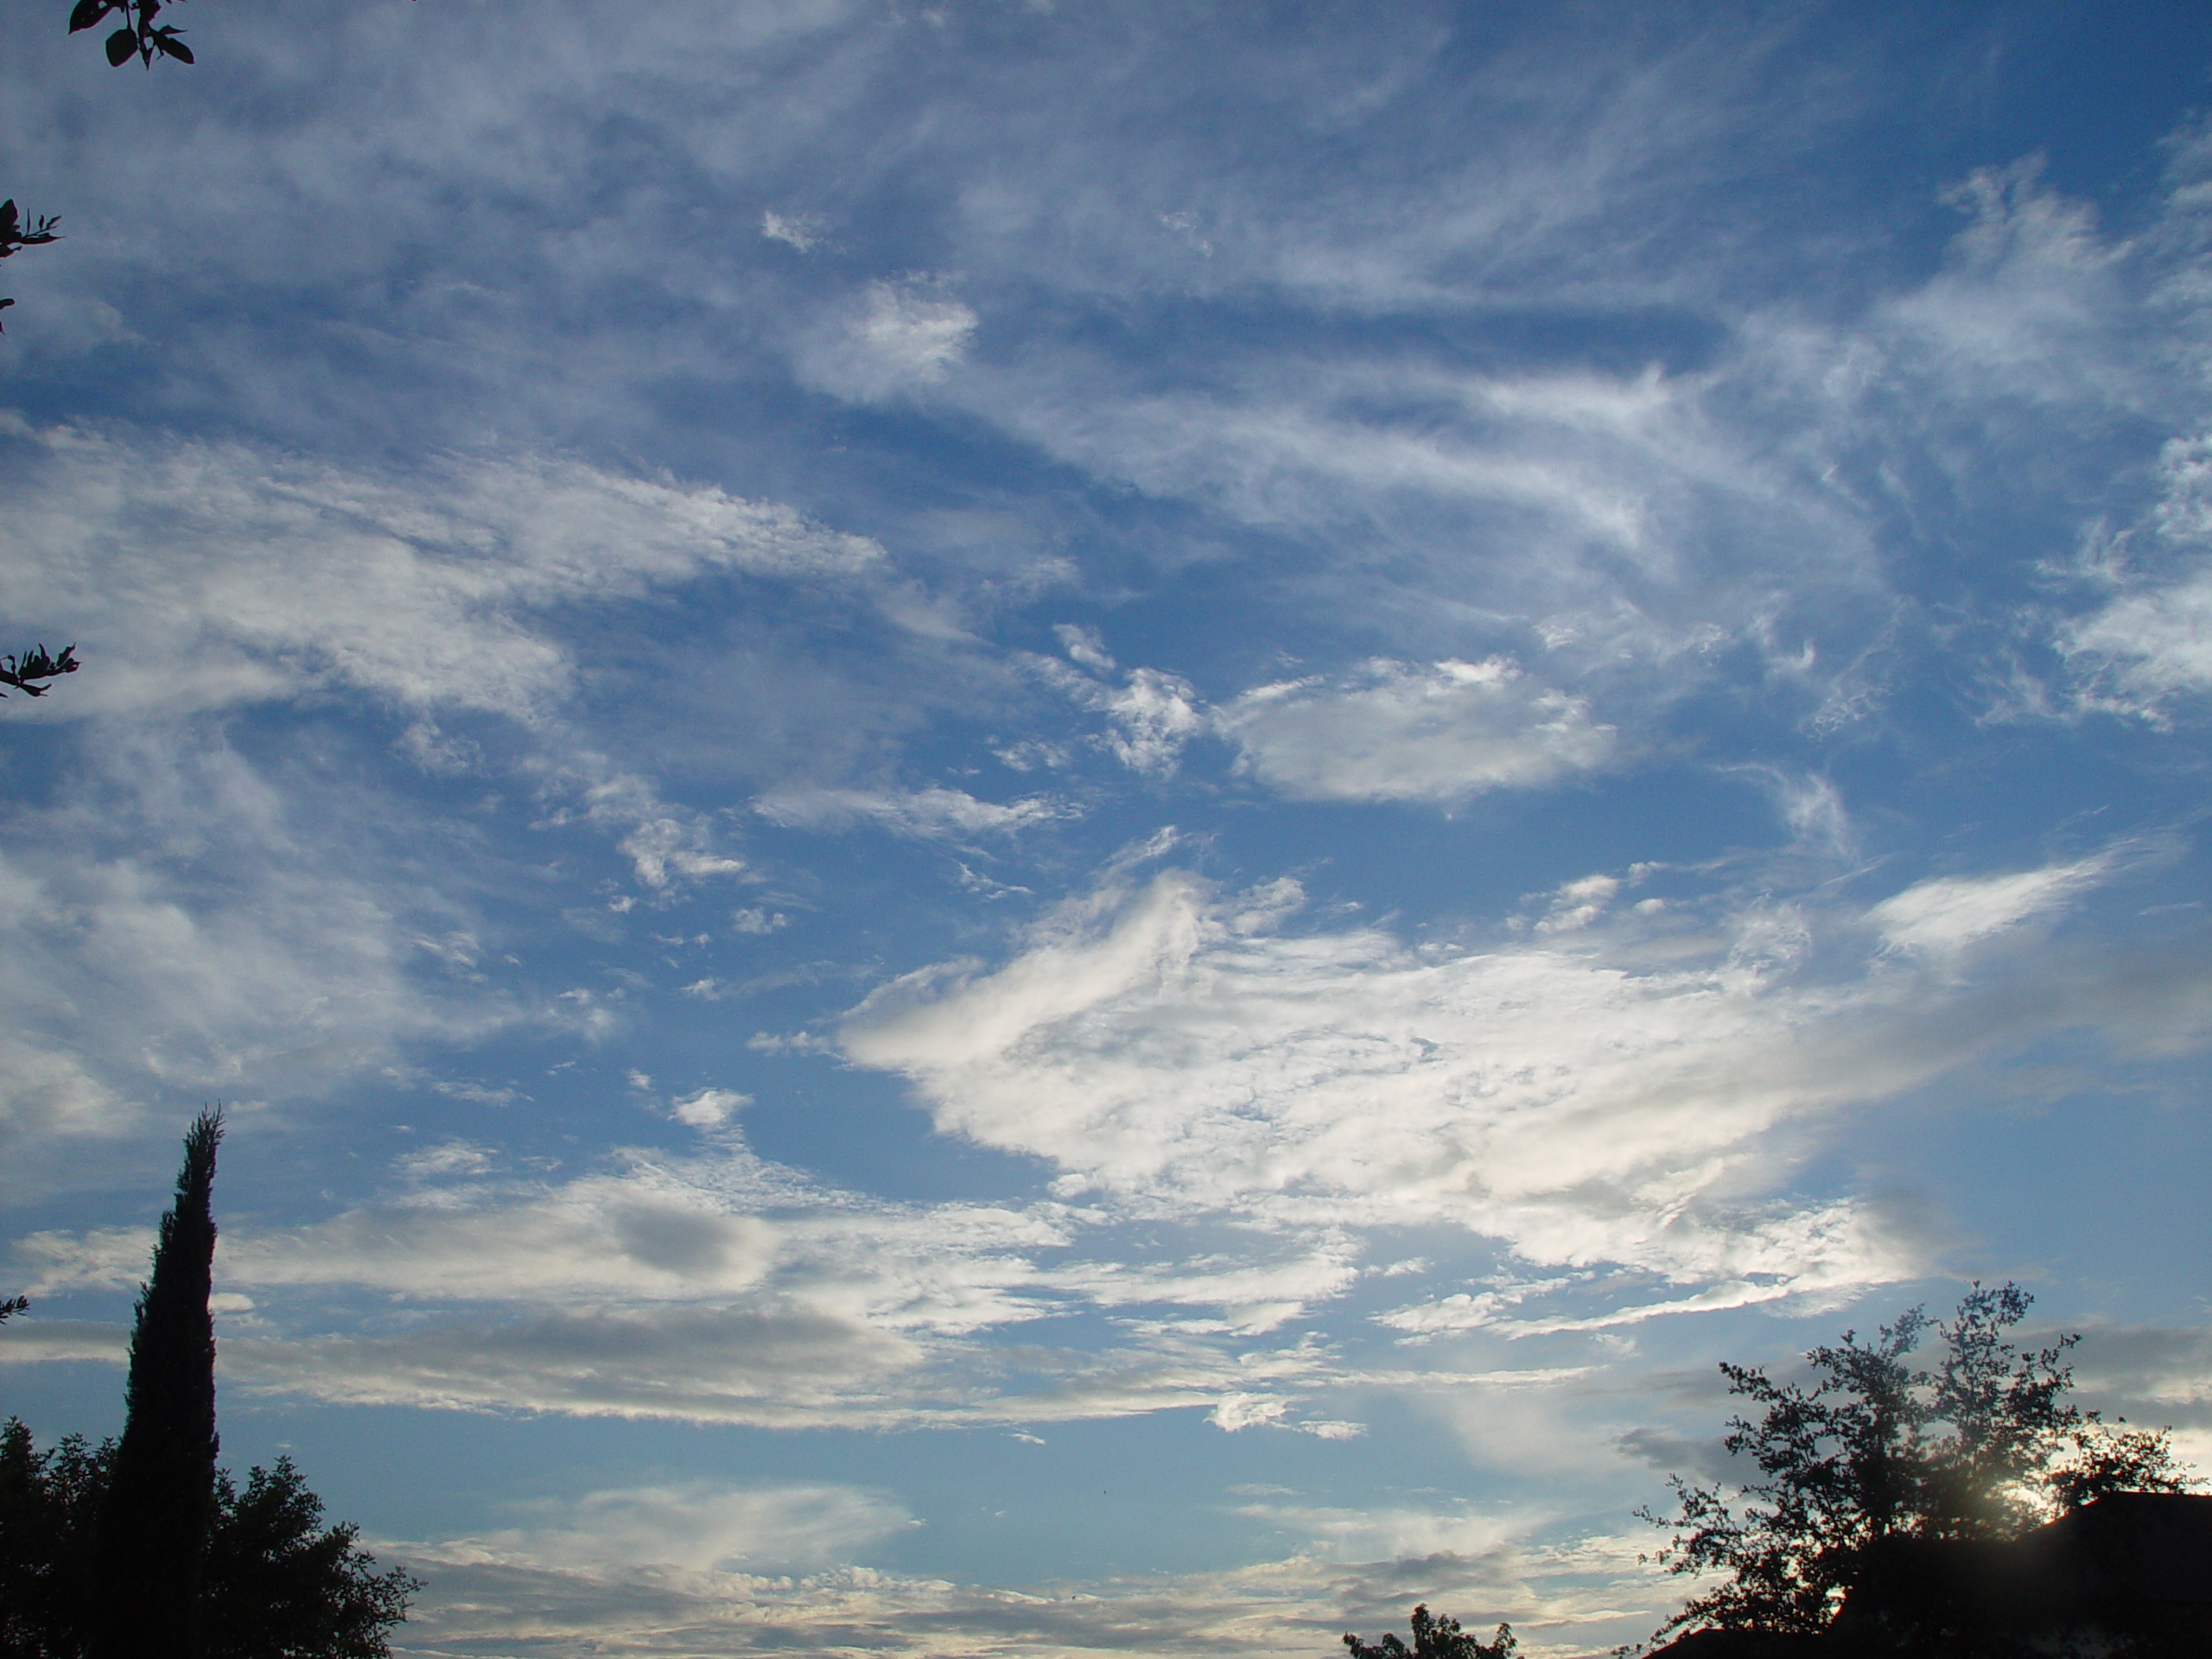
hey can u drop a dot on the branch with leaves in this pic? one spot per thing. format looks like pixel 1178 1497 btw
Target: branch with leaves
pixel 24 673
pixel 15 234
pixel 140 37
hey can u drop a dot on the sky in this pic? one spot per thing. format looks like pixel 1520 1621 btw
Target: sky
pixel 1087 828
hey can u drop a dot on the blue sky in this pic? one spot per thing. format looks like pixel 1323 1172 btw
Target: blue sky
pixel 1034 829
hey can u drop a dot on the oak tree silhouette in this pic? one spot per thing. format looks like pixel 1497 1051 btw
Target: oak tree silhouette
pixel 1434 1638
pixel 1985 1447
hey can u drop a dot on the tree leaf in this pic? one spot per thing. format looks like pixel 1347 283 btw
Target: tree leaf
pixel 167 40
pixel 120 46
pixel 89 12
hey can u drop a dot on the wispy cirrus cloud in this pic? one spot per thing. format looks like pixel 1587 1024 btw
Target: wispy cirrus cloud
pixel 897 336
pixel 1943 916
pixel 934 812
pixel 221 930
pixel 693 1526
pixel 517 526
pixel 1489 1568
pixel 213 574
pixel 2148 645
pixel 1173 1047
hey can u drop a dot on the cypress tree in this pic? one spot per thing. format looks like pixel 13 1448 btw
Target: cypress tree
pixel 154 1524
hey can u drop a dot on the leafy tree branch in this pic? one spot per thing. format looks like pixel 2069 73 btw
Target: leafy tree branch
pixel 139 37
pixel 25 673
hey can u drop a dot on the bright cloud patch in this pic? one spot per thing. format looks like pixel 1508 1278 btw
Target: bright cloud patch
pixel 651 622
pixel 1947 914
pixel 1151 715
pixel 710 1108
pixel 2151 639
pixel 1617 1101
pixel 2160 639
pixel 898 336
pixel 1177 1048
pixel 1399 731
pixel 219 929
pixel 924 812
pixel 238 575
pixel 765 1365
pixel 693 1526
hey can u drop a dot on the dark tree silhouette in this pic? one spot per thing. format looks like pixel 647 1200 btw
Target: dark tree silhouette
pixel 160 1492
pixel 141 1547
pixel 282 1585
pixel 1878 1451
pixel 279 1584
pixel 1434 1638
pixel 49 1512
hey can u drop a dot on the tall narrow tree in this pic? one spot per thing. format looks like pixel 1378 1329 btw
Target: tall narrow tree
pixel 160 1507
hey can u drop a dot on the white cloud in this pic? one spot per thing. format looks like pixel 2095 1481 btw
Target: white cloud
pixel 174 919
pixel 898 336
pixel 663 842
pixel 912 333
pixel 1252 1291
pixel 719 1288
pixel 1578 904
pixel 213 574
pixel 2150 641
pixel 448 1158
pixel 926 812
pixel 710 1108
pixel 1647 523
pixel 1562 1596
pixel 1151 715
pixel 38 1341
pixel 694 1526
pixel 1084 646
pixel 769 1365
pixel 1944 915
pixel 1620 1100
pixel 1633 524
pixel 1401 731
pixel 2025 303
pixel 801 231
pixel 716 1288
pixel 643 1238
pixel 2158 638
